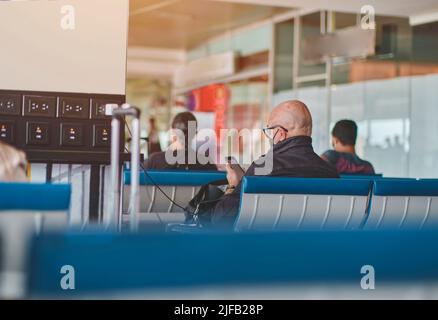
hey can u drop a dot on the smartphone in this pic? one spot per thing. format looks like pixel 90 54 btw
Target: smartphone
pixel 233 163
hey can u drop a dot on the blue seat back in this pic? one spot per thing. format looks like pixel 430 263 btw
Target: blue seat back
pixel 34 197
pixel 269 203
pixel 404 204
pixel 26 208
pixel 108 263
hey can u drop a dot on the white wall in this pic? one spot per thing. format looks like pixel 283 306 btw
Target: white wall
pixel 37 54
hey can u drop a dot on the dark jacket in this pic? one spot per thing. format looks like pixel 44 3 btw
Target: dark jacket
pixel 157 161
pixel 348 163
pixel 293 157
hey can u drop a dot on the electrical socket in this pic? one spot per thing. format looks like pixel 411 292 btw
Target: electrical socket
pixel 74 108
pixel 101 135
pixel 7 131
pixel 40 106
pixel 10 104
pixel 72 134
pixel 99 108
pixel 38 133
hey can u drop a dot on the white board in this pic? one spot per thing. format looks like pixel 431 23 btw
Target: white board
pixel 64 46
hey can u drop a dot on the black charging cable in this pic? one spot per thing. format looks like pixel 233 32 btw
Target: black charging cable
pixel 193 213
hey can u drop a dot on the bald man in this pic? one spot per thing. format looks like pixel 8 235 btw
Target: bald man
pixel 289 129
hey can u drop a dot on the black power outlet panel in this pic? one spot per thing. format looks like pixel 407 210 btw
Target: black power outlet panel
pixel 38 133
pixel 74 108
pixel 7 131
pixel 101 135
pixel 10 104
pixel 72 134
pixel 40 106
pixel 58 127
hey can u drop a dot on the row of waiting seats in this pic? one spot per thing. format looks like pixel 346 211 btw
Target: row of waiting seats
pixel 291 204
pixel 273 203
pixel 108 263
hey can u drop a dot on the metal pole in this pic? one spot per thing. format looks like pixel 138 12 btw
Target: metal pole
pixel 329 70
pixel 113 219
pixel 118 114
pixel 329 81
pixel 135 172
pixel 296 55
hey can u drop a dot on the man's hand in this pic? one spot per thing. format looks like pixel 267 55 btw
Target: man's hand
pixel 234 175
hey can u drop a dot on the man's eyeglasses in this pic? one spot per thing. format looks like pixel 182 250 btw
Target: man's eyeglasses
pixel 270 132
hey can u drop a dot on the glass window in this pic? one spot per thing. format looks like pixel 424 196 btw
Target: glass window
pixel 392 58
pixel 392 97
pixel 381 109
pixel 423 160
pixel 425 49
pixel 283 61
pixel 344 20
pixel 310 27
pixel 315 97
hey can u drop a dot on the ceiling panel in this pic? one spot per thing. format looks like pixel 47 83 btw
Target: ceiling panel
pixel 383 7
pixel 183 24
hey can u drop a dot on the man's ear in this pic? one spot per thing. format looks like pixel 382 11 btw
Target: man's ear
pixel 284 133
pixel 335 141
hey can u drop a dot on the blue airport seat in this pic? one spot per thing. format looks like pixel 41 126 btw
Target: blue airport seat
pixel 34 197
pixel 411 204
pixel 269 203
pixel 26 208
pixel 139 263
pixel 180 185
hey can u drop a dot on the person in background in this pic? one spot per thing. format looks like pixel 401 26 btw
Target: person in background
pixel 12 164
pixel 289 130
pixel 153 137
pixel 344 157
pixel 158 160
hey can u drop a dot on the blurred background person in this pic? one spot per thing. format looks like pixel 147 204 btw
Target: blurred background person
pixel 12 164
pixel 153 137
pixel 158 160
pixel 344 157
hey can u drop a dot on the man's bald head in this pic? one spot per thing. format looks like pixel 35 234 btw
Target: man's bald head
pixel 294 116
